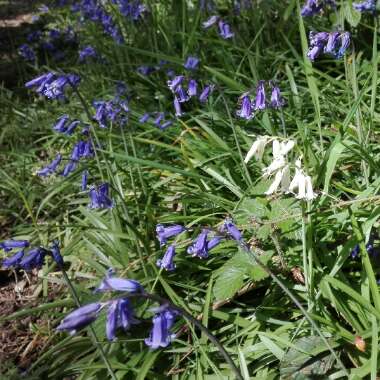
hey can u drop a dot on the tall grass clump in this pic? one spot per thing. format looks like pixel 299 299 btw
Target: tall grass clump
pixel 198 182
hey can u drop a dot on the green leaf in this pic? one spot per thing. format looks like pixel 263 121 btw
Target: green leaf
pixel 229 281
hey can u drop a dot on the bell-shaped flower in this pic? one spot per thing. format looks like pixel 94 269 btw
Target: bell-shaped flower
pixel 14 260
pixel 282 178
pixel 7 245
pixel 160 335
pixel 199 247
pixel 117 284
pixel 191 63
pixel 192 87
pixel 230 228
pixel 167 262
pixel 206 93
pixel 246 111
pixel 260 96
pixel 34 259
pixel 164 233
pixel 225 30
pixel 210 22
pixel 80 318
pixel 257 148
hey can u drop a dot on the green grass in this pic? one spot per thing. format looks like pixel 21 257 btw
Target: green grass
pixel 193 173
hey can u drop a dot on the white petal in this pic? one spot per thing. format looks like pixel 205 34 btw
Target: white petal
pixel 301 187
pixel 310 195
pixel 285 181
pixel 295 181
pixel 276 149
pixel 286 147
pixel 277 164
pixel 276 183
pixel 252 151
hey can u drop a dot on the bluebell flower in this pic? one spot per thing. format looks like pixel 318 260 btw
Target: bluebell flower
pixel 206 93
pixel 335 44
pixel 84 180
pixel 225 30
pixel 276 100
pixel 246 111
pixel 80 318
pixel 199 247
pixel 131 9
pixel 212 243
pixel 71 127
pixel 230 228
pixel 69 168
pixel 177 107
pixel 144 118
pixel 51 168
pixel 345 38
pixel 99 197
pixel 210 22
pixel 160 335
pixel 159 118
pixel 314 7
pixel 14 260
pixel 260 96
pixel 60 125
pixel 110 283
pixel 332 43
pixel 164 233
pixel 175 82
pixel 166 124
pixel 8 245
pixel 191 63
pixel 56 254
pixel 86 53
pixel 145 70
pixel 34 36
pixel 27 53
pixel 181 94
pixel 192 87
pixel 365 6
pixel 167 262
pixel 34 259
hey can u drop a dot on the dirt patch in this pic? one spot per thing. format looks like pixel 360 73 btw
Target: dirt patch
pixel 22 339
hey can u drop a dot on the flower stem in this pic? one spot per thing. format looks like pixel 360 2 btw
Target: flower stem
pixel 91 329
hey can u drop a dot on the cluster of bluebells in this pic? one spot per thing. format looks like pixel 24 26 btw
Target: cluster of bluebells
pixel 113 111
pixel 120 314
pixel 53 85
pixel 132 9
pixel 334 44
pixel 34 258
pixel 94 10
pixel 52 43
pixel 201 245
pixel 365 6
pixel 224 28
pixel 260 102
pixel 314 7
pixel 369 247
pixel 88 54
pixel 157 118
pixel 99 196
pixel 184 89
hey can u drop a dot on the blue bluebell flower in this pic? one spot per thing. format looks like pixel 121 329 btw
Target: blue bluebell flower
pixel 34 259
pixel 212 243
pixel 335 44
pixel 86 53
pixel 144 118
pixel 164 233
pixel 276 100
pixel 365 6
pixel 84 180
pixel 314 7
pixel 80 318
pixel 71 127
pixel 345 39
pixel 145 70
pixel 199 247
pixel 181 94
pixel 14 260
pixel 167 262
pixel 119 314
pixel 230 228
pixel 177 107
pixel 27 53
pixel 191 63
pixel 99 197
pixel 210 22
pixel 51 168
pixel 160 335
pixel 159 118
pixel 192 87
pixel 56 254
pixel 246 111
pixel 175 82
pixel 117 284
pixel 60 125
pixel 134 10
pixel 34 36
pixel 8 245
pixel 225 30
pixel 166 124
pixel 69 168
pixel 260 96
pixel 206 93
